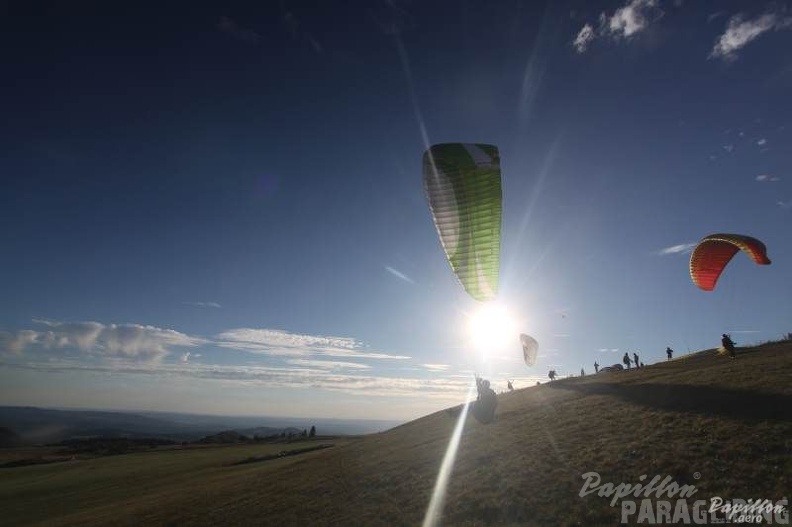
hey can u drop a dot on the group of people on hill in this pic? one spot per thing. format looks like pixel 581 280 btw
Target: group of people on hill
pixel 629 362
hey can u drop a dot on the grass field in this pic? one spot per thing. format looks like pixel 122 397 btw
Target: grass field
pixel 721 425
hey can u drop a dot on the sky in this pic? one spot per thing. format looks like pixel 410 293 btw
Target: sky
pixel 218 208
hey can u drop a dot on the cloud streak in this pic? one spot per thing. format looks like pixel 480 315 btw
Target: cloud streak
pixel 677 249
pixel 399 274
pixel 214 305
pixel 449 389
pixel 282 343
pixel 765 178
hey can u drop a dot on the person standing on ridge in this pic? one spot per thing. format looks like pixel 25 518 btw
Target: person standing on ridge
pixel 728 345
pixel 669 352
pixel 626 360
pixel 596 367
pixel 637 362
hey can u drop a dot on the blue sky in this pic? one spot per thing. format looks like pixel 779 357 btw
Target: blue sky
pixel 219 209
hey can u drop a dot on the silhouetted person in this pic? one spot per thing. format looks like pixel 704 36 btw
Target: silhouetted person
pixel 484 407
pixel 637 362
pixel 582 372
pixel 596 367
pixel 552 375
pixel 669 352
pixel 482 385
pixel 510 386
pixel 728 345
pixel 626 360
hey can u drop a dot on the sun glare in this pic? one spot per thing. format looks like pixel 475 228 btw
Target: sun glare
pixel 492 327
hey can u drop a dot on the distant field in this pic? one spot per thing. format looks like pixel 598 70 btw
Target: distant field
pixel 114 485
pixel 721 425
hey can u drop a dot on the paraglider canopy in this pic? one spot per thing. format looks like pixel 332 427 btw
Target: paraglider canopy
pixel 715 251
pixel 530 349
pixel 463 186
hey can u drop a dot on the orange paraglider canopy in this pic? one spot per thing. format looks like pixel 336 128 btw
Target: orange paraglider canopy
pixel 714 252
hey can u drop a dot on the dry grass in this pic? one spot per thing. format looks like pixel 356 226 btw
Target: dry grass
pixel 728 420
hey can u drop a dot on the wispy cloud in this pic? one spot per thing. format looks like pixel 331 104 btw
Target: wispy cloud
pixel 329 365
pixel 765 178
pixel 448 389
pixel 627 21
pixel 282 343
pixel 398 274
pixel 677 249
pixel 584 38
pixel 785 204
pixel 715 16
pixel 230 27
pixel 436 367
pixel 295 28
pixel 632 18
pixel 119 340
pixel 761 142
pixel 740 32
pixel 214 305
pixel 16 342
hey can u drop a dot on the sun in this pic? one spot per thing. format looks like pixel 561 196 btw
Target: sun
pixel 492 327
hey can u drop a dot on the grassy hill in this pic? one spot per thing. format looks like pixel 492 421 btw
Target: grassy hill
pixel 722 425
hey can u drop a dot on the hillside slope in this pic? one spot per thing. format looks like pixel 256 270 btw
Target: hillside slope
pixel 721 425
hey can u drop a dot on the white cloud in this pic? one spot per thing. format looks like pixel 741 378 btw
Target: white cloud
pixel 767 178
pixel 740 32
pixel 677 249
pixel 204 304
pixel 583 38
pixel 436 367
pixel 329 365
pixel 447 388
pixel 282 343
pixel 121 340
pixel 785 204
pixel 16 342
pixel 634 17
pixel 761 142
pixel 729 148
